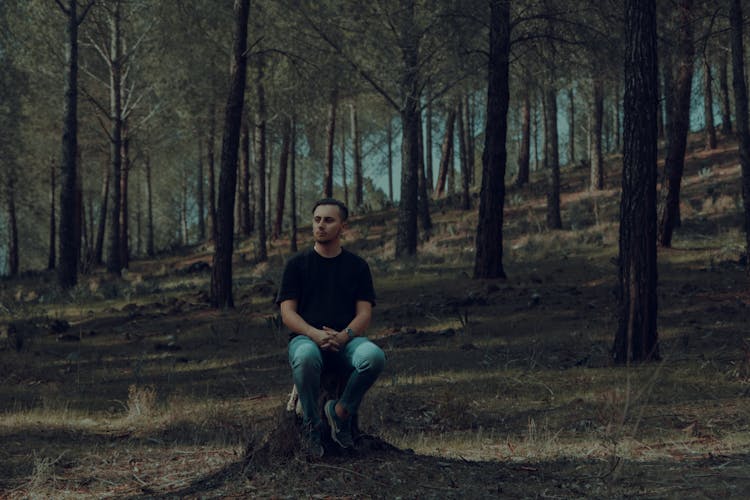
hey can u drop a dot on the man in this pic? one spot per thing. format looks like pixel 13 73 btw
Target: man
pixel 326 299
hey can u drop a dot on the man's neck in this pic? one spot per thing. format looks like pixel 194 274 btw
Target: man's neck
pixel 328 250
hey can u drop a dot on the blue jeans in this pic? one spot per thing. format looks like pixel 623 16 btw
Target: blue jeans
pixel 359 356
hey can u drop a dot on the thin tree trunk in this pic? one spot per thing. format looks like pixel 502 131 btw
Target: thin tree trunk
pixel 52 261
pixel 424 200
pixel 124 175
pixel 596 154
pixel 357 154
pixel 536 135
pixel 446 153
pixel 741 113
pixel 677 132
pixel 636 338
pixel 150 251
pixel 464 158
pixel 211 173
pixel 244 184
pixel 488 262
pixel 114 259
pixel 389 140
pixel 200 194
pixel 13 252
pixel 293 185
pixel 524 153
pixel 102 225
pixel 552 159
pixel 726 113
pixel 260 160
pixel 708 105
pixel 470 140
pixel 616 108
pixel 330 137
pixel 221 272
pixel 571 128
pixel 429 175
pixel 286 132
pixel 183 209
pixel 344 180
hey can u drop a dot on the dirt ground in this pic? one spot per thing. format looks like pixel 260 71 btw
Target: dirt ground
pixel 493 389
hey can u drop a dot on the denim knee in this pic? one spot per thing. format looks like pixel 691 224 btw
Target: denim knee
pixel 372 358
pixel 306 358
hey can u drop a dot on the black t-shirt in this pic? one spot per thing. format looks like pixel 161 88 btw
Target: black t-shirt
pixel 327 289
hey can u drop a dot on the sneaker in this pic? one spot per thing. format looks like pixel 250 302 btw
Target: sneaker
pixel 311 442
pixel 340 429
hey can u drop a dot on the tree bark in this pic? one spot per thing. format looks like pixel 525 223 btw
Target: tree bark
pixel 344 180
pixel 406 232
pixel 427 147
pixel 184 208
pixel 596 154
pixel 293 185
pixel 13 252
pixel 524 153
pixel 552 158
pixel 389 160
pixel 741 114
pixel 114 259
pixel 636 338
pixel 488 261
pixel 102 224
pixel 244 185
pixel 286 132
pixel 679 125
pixel 124 176
pixel 726 112
pixel 52 260
pixel 150 251
pixel 571 128
pixel 464 157
pixel 424 200
pixel 708 105
pixel 357 154
pixel 221 273
pixel 67 272
pixel 261 161
pixel 330 137
pixel 446 153
pixel 200 195
pixel 211 173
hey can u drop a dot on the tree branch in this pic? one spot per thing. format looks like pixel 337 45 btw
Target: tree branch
pixel 85 11
pixel 65 10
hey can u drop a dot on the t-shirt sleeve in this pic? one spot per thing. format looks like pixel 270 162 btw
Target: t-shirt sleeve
pixel 366 290
pixel 291 283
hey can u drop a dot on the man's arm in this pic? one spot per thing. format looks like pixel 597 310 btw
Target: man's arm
pixel 297 324
pixel 359 324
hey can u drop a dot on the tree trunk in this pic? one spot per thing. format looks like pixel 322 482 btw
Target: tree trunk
pixel 221 272
pixel 389 158
pixel 571 128
pixel 102 224
pixel 406 235
pixel 726 113
pixel 596 154
pixel 67 272
pixel 211 173
pixel 357 154
pixel 200 194
pixel 616 108
pixel 184 209
pixel 427 147
pixel 741 113
pixel 330 137
pixel 488 262
pixel 470 140
pixel 13 251
pixel 446 153
pixel 424 200
pixel 344 180
pixel 293 185
pixel 149 210
pixel 260 160
pixel 244 185
pixel 708 105
pixel 281 185
pixel 524 153
pixel 52 260
pixel 464 157
pixel 636 338
pixel 679 125
pixel 114 259
pixel 552 159
pixel 124 176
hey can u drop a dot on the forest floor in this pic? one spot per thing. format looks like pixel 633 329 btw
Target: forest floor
pixel 493 389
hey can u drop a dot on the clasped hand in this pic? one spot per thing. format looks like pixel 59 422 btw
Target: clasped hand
pixel 329 339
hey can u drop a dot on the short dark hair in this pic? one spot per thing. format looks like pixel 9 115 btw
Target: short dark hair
pixel 333 201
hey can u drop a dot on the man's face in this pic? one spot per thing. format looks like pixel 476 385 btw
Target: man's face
pixel 327 223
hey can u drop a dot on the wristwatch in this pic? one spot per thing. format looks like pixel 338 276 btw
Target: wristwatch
pixel 350 332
